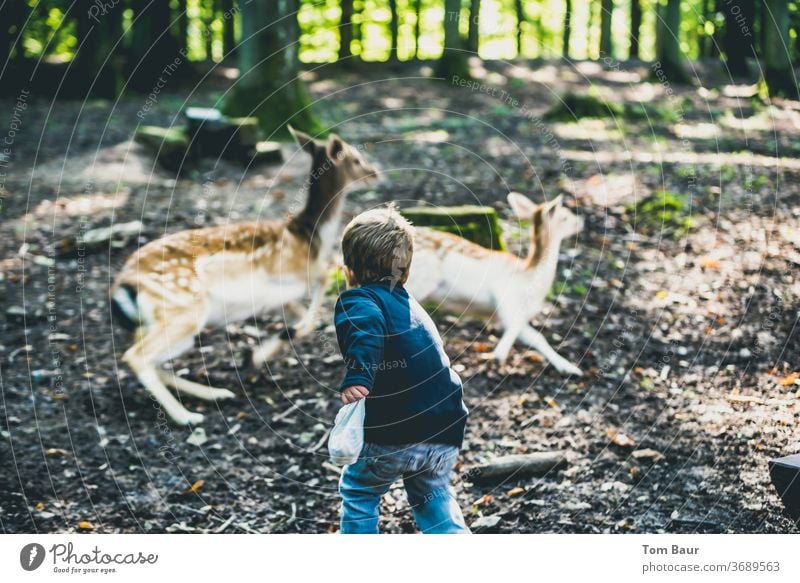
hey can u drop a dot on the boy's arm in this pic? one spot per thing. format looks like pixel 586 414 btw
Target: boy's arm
pixel 360 330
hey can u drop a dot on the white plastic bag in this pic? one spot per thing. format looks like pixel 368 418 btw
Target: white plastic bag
pixel 347 436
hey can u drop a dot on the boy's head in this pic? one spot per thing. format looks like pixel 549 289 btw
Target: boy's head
pixel 377 246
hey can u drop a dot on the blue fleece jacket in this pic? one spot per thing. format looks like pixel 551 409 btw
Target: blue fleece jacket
pixel 391 346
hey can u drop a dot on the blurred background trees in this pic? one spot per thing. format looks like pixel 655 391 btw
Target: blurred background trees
pixel 108 46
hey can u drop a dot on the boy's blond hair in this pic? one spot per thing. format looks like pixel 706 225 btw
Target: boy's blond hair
pixel 378 245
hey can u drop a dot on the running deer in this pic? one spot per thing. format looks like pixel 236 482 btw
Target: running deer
pixel 463 276
pixel 175 286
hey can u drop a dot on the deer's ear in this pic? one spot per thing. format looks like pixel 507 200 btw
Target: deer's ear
pixel 303 140
pixel 335 148
pixel 553 205
pixel 522 206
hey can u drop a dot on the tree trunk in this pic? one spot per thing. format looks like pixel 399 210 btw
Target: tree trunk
pixel 417 26
pixel 453 62
pixel 669 55
pixel 590 24
pixel 606 42
pixel 636 28
pixel 346 30
pixel 778 74
pixel 182 26
pixel 567 34
pixel 520 11
pixel 394 26
pixel 228 28
pixel 210 15
pixel 473 38
pixel 152 46
pixel 96 63
pixel 269 86
pixel 738 36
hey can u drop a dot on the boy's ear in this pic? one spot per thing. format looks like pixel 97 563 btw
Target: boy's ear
pixel 303 140
pixel 522 206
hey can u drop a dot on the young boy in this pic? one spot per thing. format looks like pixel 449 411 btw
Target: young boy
pixel 415 414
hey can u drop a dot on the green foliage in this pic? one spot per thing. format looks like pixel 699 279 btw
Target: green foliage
pixel 337 282
pixel 661 213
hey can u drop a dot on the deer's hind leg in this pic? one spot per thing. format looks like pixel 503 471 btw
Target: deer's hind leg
pixel 533 338
pixel 193 389
pixel 162 341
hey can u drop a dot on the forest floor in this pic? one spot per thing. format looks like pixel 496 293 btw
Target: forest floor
pixel 686 321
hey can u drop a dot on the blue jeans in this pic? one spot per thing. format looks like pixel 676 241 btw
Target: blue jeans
pixel 425 469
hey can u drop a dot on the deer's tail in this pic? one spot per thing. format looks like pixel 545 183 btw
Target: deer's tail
pixel 125 308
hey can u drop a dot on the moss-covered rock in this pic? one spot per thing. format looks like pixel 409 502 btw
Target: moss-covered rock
pixel 479 224
pixel 170 145
pixel 574 106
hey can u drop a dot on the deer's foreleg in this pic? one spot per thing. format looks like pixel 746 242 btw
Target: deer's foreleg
pixel 159 344
pixel 273 345
pixel 535 340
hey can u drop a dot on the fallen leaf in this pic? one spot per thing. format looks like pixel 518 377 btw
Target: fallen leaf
pixel 789 380
pixel 620 439
pixel 195 487
pixel 662 295
pixel 515 492
pixel 711 264
pixel 647 454
pixel 40 506
pixel 85 525
pixel 481 347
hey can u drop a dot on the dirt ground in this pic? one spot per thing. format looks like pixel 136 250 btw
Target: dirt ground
pixel 688 331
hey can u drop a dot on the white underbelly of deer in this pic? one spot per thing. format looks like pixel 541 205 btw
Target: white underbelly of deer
pixel 456 282
pixel 241 293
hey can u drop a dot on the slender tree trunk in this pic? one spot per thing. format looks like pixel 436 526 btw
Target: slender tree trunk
pixel 738 36
pixel 453 62
pixel 520 11
pixel 590 23
pixel 567 34
pixel 417 26
pixel 473 39
pixel 394 27
pixel 228 28
pixel 182 26
pixel 778 73
pixel 346 30
pixel 210 16
pixel 269 86
pixel 606 42
pixel 669 54
pixel 636 28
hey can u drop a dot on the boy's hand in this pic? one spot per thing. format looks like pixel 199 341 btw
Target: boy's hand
pixel 354 393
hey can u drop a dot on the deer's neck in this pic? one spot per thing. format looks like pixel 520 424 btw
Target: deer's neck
pixel 543 245
pixel 318 222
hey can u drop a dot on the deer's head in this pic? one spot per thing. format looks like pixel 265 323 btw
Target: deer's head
pixel 336 161
pixel 551 222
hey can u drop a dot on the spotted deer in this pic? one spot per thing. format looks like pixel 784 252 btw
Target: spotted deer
pixel 175 286
pixel 465 277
